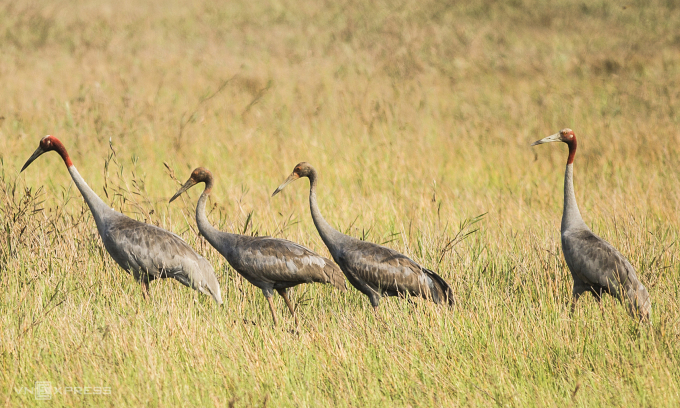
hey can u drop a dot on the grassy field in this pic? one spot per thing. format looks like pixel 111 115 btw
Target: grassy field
pixel 418 116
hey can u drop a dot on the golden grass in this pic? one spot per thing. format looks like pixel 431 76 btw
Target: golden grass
pixel 418 116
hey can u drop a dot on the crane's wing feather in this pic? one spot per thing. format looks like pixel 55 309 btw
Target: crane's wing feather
pixel 273 260
pixel 596 262
pixel 140 247
pixel 388 271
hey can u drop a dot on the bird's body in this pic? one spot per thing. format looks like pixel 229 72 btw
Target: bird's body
pixel 587 255
pixel 373 269
pixel 149 252
pixel 268 263
pixel 272 263
pixel 143 250
pixel 595 265
pixel 378 271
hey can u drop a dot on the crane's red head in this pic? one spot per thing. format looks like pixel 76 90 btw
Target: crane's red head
pixel 565 135
pixel 49 143
pixel 302 169
pixel 199 175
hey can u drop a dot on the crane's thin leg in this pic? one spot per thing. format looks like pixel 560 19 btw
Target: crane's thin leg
pixel 598 297
pixel 379 318
pixel 574 299
pixel 579 289
pixel 271 308
pixel 284 295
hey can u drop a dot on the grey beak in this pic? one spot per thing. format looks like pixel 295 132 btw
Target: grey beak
pixel 552 138
pixel 290 179
pixel 190 183
pixel 39 151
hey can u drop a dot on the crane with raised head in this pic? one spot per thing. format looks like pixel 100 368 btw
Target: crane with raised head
pixel 595 265
pixel 373 269
pixel 268 263
pixel 146 251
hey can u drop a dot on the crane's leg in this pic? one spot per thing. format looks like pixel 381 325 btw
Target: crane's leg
pixel 598 296
pixel 271 309
pixel 579 289
pixel 284 295
pixel 572 309
pixel 145 289
pixel 375 302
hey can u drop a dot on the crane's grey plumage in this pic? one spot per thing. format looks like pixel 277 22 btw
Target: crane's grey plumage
pixel 146 251
pixel 373 269
pixel 268 263
pixel 595 265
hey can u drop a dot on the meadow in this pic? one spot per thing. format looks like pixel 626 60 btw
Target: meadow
pixel 418 116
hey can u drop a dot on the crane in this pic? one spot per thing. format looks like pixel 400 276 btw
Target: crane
pixel 595 265
pixel 146 251
pixel 373 269
pixel 268 263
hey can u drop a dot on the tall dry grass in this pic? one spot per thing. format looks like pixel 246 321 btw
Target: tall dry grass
pixel 418 116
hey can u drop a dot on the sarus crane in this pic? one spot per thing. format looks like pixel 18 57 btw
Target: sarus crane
pixel 373 269
pixel 268 263
pixel 146 251
pixel 595 265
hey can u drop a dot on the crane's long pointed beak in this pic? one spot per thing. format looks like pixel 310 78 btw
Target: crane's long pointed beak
pixel 190 183
pixel 34 156
pixel 290 179
pixel 552 138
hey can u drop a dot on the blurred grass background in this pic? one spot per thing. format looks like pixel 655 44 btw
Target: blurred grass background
pixel 418 116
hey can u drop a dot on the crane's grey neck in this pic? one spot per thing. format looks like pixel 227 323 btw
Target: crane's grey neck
pixel 97 206
pixel 571 216
pixel 212 234
pixel 328 234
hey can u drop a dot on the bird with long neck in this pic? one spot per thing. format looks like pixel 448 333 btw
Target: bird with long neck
pixel 595 265
pixel 268 263
pixel 373 269
pixel 146 251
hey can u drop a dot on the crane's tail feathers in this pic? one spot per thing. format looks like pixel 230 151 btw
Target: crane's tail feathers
pixel 444 287
pixel 335 276
pixel 203 281
pixel 640 304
